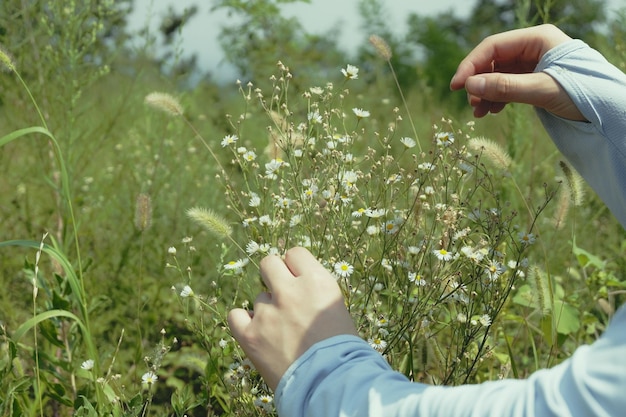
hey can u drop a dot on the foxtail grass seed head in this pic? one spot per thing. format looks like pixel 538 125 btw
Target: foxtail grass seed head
pixel 143 212
pixel 574 183
pixel 381 46
pixel 491 151
pixel 562 207
pixel 210 220
pixel 6 60
pixel 165 103
pixel 540 285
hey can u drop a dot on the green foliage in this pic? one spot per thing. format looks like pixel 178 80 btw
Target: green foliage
pixel 110 285
pixel 262 36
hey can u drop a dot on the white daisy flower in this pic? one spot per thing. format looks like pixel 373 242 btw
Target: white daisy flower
pixel 186 292
pixel 485 320
pixel 87 365
pixel 385 263
pixel 372 230
pixel 408 142
pixel 426 166
pixel 444 138
pixel 343 269
pixel 443 255
pixel 255 200
pixel 252 247
pixel 391 227
pixel 310 192
pixel 295 220
pixel 236 266
pixel 494 270
pixel 283 202
pixel 360 113
pixel 350 72
pixel 246 222
pixel 149 378
pixel 381 322
pixel 314 117
pixel 229 140
pixel 249 156
pixel 526 238
pixel 413 250
pixel 264 402
pixel 377 344
pixel 358 213
pixel 375 213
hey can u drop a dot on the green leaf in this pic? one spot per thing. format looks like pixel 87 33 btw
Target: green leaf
pixel 24 132
pixel 525 297
pixel 86 410
pixel 586 259
pixel 567 318
pixel 49 331
pixel 33 321
pixel 57 392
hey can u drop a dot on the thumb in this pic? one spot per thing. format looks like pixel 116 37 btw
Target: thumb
pixel 238 320
pixel 536 89
pixel 492 91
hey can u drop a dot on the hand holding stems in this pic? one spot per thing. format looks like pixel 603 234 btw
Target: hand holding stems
pixel 500 71
pixel 303 306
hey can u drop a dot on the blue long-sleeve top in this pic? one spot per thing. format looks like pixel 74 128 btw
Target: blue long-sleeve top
pixel 343 376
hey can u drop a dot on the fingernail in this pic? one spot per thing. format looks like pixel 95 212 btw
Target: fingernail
pixel 476 85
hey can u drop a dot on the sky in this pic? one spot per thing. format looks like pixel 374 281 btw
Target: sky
pixel 200 35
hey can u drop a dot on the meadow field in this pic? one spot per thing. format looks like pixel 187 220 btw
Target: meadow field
pixel 136 207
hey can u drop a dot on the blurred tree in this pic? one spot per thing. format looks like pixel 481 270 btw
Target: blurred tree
pixel 440 49
pixel 69 37
pixel 261 37
pixel 375 21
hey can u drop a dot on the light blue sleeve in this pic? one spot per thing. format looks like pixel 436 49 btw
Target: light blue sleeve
pixel 342 376
pixel 597 150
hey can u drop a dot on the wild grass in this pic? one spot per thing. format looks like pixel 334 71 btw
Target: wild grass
pixel 128 233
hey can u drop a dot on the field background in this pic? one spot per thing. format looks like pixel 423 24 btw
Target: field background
pixel 89 85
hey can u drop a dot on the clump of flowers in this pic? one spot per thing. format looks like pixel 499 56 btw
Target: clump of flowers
pixel 422 244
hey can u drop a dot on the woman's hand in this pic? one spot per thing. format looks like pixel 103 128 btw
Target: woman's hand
pixel 500 71
pixel 304 305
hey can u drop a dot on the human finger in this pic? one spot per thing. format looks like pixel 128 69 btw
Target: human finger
pixel 300 261
pixel 491 92
pixel 274 272
pixel 484 107
pixel 533 88
pixel 238 321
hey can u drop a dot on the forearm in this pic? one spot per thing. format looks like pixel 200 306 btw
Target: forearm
pixel 343 376
pixel 597 149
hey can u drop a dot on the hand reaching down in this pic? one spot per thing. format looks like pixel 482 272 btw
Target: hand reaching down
pixel 303 306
